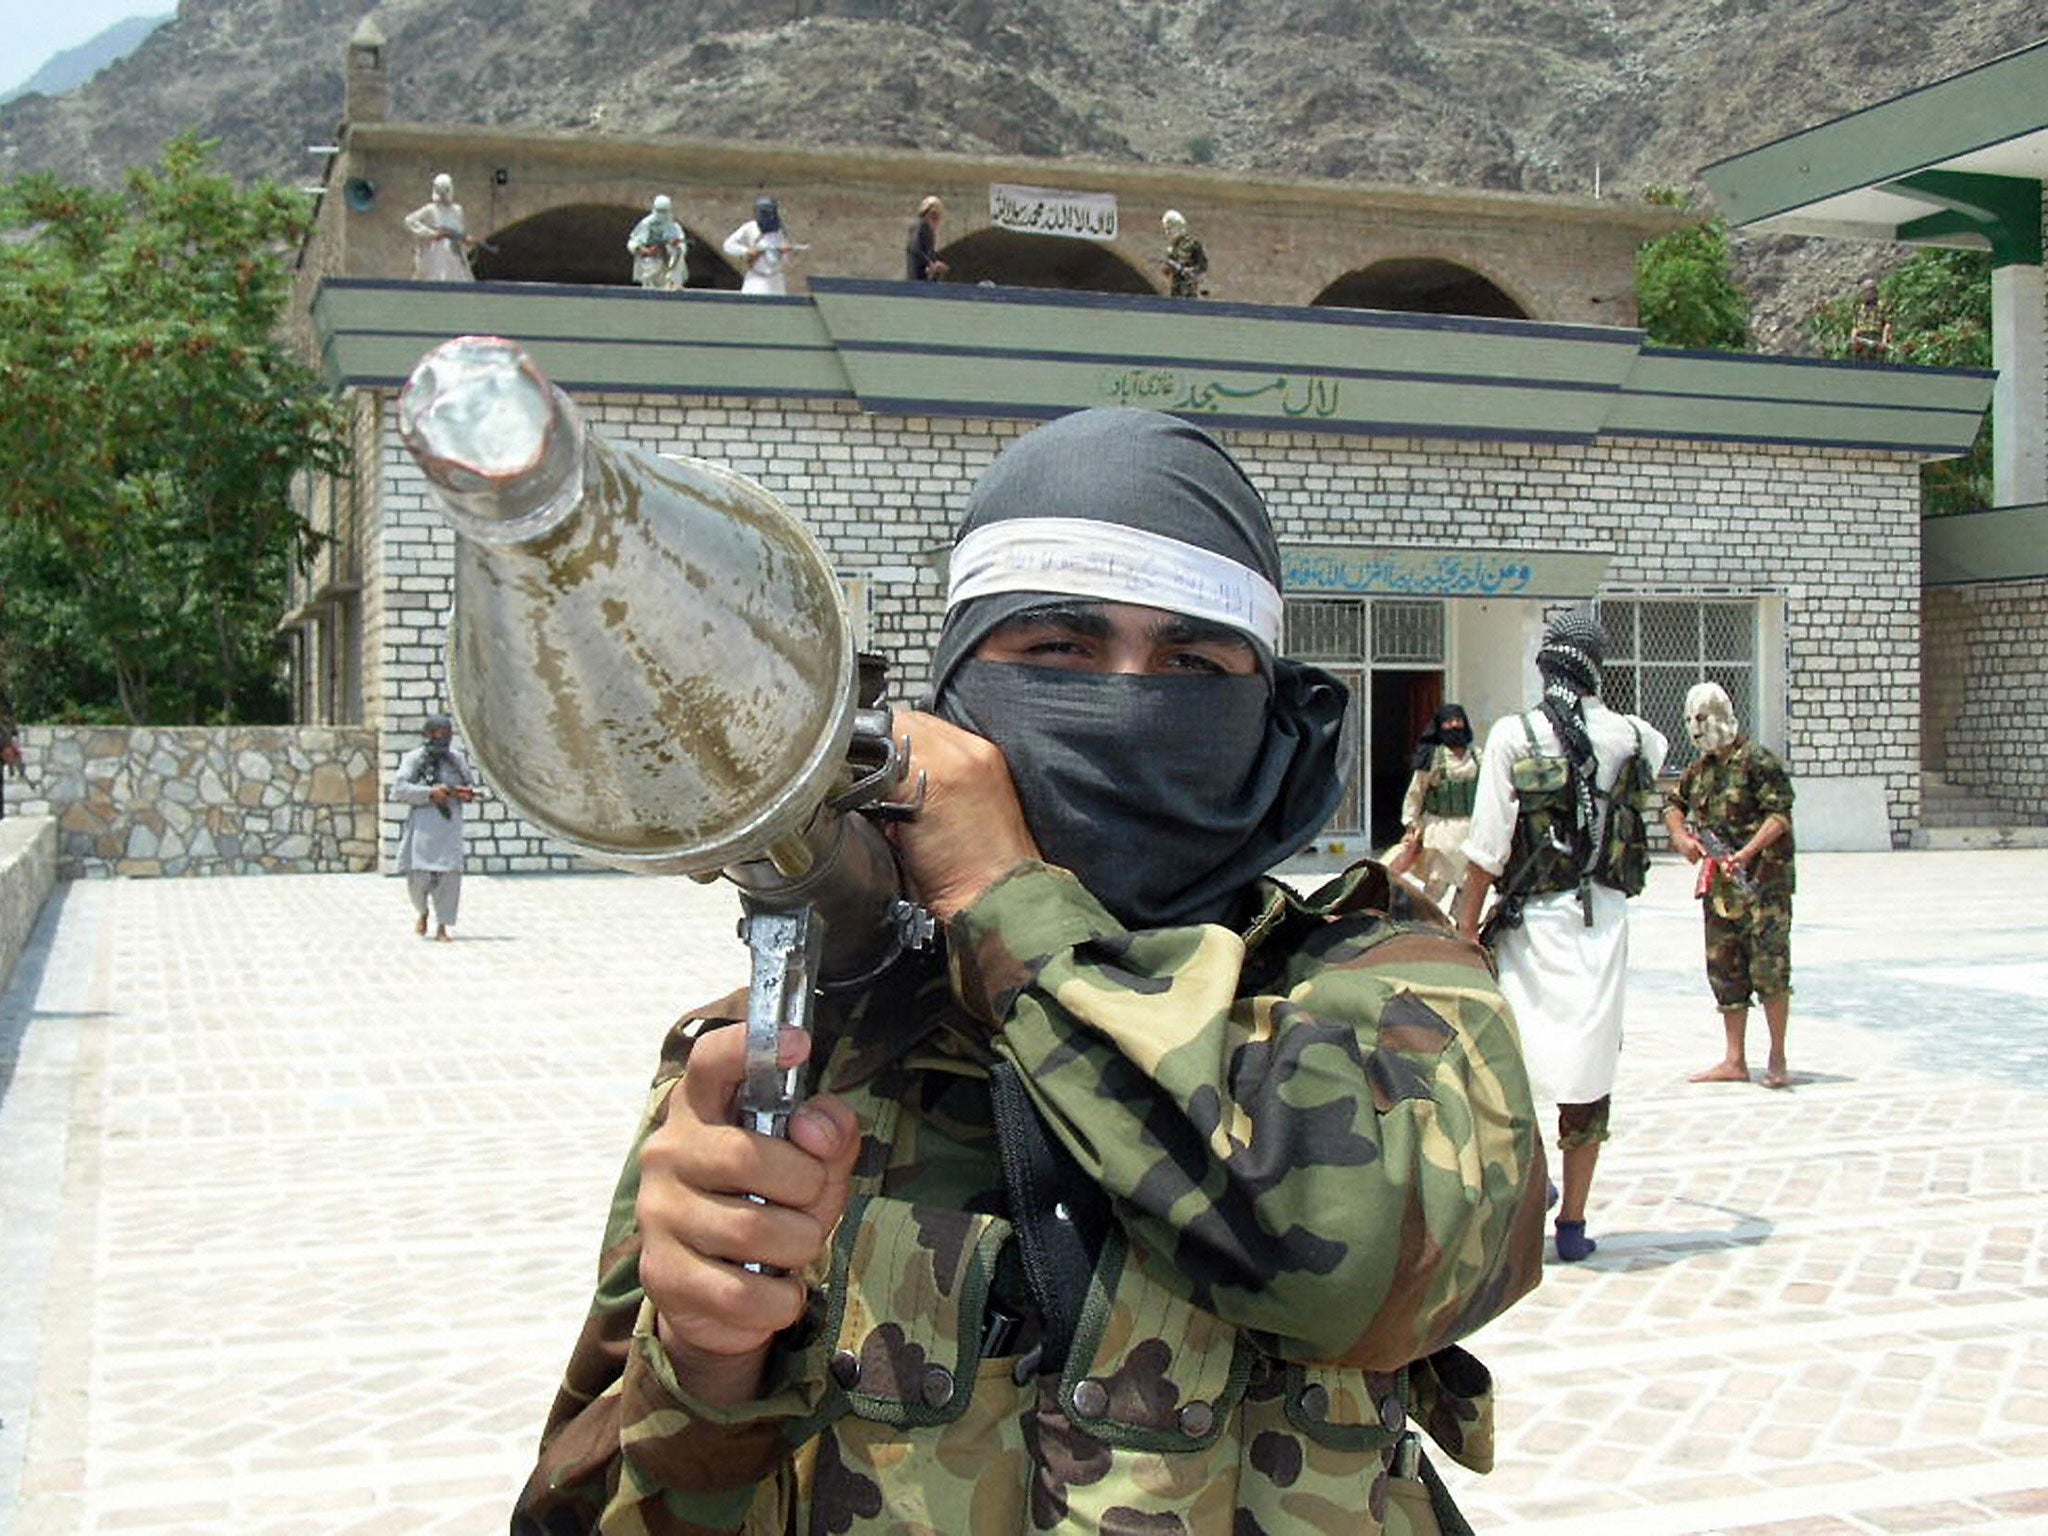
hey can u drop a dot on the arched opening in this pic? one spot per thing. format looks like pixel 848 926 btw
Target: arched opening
pixel 1421 285
pixel 586 243
pixel 1012 260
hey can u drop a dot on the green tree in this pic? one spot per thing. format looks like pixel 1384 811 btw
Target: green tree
pixel 1686 293
pixel 152 426
pixel 1939 304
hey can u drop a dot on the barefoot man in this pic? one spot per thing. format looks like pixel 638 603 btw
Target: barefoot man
pixel 1731 813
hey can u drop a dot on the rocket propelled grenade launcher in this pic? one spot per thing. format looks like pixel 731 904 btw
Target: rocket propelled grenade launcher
pixel 650 657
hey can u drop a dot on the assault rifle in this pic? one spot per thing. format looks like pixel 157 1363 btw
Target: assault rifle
pixel 1720 856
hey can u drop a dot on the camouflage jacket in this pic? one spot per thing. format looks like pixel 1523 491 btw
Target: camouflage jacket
pixel 1318 1145
pixel 1186 262
pixel 1731 792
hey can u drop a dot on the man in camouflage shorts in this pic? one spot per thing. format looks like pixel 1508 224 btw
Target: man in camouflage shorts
pixel 1731 812
pixel 1156 1198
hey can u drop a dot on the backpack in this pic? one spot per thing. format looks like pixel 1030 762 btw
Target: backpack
pixel 1624 861
pixel 1544 856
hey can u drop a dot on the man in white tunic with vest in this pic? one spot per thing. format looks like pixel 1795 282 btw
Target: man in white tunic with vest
pixel 1559 934
pixel 435 778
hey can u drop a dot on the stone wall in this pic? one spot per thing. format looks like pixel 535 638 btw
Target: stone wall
pixel 1831 536
pixel 1986 658
pixel 28 868
pixel 225 800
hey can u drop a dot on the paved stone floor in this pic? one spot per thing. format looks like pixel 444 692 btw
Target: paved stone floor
pixel 298 1213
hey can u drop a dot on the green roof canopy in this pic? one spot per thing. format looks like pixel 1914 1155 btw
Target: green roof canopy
pixel 1959 162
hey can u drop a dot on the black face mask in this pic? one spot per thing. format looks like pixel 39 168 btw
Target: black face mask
pixel 1459 735
pixel 1165 796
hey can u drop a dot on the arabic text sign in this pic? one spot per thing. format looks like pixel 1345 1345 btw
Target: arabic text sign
pixel 1043 211
pixel 1169 389
pixel 1422 572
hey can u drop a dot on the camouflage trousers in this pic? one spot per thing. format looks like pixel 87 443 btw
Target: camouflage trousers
pixel 1749 951
pixel 1583 1125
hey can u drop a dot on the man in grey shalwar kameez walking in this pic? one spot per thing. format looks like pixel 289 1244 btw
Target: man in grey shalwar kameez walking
pixel 435 778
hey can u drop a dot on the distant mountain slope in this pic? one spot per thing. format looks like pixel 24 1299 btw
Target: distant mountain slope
pixel 1536 95
pixel 74 66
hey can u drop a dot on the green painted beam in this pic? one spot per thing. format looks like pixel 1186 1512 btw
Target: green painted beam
pixel 861 314
pixel 2006 210
pixel 1729 376
pixel 2005 544
pixel 1940 229
pixel 1923 129
pixel 588 338
pixel 1285 370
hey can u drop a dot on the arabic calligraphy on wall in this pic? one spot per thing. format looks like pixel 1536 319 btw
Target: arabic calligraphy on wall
pixel 1044 211
pixel 1421 572
pixel 1169 389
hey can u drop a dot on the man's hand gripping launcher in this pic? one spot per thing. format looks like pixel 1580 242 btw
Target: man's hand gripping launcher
pixel 650 658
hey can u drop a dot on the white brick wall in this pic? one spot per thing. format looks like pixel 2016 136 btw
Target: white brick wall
pixel 1987 676
pixel 1834 533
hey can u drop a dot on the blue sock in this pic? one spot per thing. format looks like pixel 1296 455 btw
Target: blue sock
pixel 1572 1242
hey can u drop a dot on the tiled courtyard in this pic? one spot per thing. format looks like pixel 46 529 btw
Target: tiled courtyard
pixel 299 1212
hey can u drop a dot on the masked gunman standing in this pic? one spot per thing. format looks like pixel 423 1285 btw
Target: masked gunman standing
pixel 435 778
pixel 660 248
pixel 1731 812
pixel 1560 937
pixel 440 233
pixel 1437 810
pixel 762 246
pixel 1186 262
pixel 1155 1198
pixel 921 262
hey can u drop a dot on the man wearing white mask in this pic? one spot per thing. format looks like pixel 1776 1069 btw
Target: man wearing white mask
pixel 1186 263
pixel 1731 814
pixel 659 248
pixel 442 252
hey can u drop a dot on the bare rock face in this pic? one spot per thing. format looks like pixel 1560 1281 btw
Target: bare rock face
pixel 1534 95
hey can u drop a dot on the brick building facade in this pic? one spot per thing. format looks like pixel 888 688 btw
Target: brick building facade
pixel 1817 548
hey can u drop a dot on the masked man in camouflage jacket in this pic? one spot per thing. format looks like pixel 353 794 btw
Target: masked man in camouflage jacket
pixel 1157 1198
pixel 1732 808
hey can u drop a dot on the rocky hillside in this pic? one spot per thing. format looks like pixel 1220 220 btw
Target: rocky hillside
pixel 1536 95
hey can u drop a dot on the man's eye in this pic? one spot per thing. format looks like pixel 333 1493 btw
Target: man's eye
pixel 1195 661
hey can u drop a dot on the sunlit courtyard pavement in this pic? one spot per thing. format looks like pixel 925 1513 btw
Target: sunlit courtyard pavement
pixel 298 1213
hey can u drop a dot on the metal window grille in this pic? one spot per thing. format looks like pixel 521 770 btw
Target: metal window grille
pixel 1317 630
pixel 1349 637
pixel 1658 648
pixel 1408 634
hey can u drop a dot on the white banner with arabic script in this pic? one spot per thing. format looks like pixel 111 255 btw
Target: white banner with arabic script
pixel 1043 211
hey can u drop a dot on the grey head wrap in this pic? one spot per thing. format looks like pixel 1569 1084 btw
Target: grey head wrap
pixel 1166 796
pixel 1573 652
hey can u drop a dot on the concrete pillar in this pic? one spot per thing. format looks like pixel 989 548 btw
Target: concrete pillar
pixel 2019 347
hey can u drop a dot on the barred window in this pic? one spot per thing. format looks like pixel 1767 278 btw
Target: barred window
pixel 1658 648
pixel 1389 654
pixel 1325 629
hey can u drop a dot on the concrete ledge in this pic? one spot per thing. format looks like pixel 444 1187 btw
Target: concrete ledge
pixel 28 869
pixel 1845 815
pixel 1959 838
